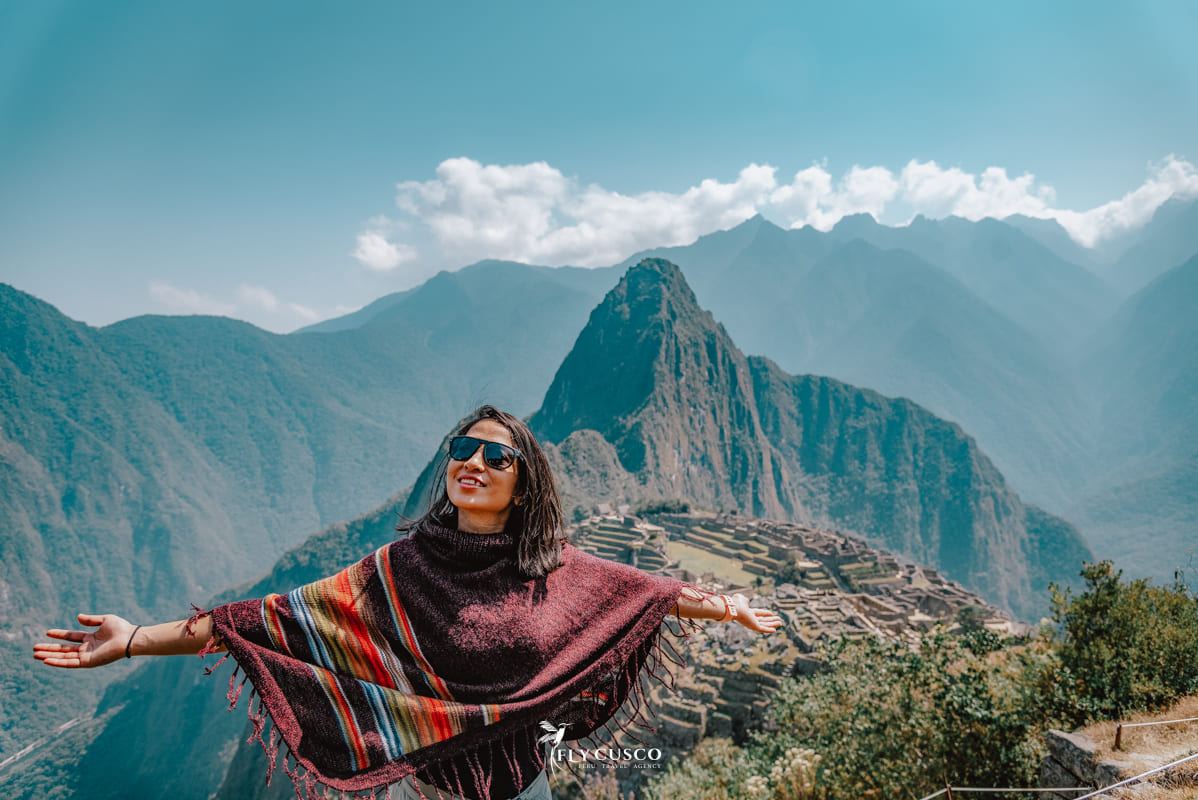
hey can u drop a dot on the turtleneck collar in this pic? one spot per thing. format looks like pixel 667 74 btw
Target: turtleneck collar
pixel 463 546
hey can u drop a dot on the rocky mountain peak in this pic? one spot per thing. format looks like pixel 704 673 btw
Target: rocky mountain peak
pixel 655 401
pixel 652 288
pixel 663 383
pixel 646 343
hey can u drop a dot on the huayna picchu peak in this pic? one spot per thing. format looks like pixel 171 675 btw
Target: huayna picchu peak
pixel 655 401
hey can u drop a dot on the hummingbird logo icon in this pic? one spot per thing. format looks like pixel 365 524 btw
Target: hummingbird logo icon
pixel 554 734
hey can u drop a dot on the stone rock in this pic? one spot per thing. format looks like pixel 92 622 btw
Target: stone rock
pixel 1073 751
pixel 1111 771
pixel 1055 776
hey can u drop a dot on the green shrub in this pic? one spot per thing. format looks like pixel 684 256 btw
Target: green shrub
pixel 1123 646
pixel 662 506
pixel 883 720
pixel 888 720
pixel 715 770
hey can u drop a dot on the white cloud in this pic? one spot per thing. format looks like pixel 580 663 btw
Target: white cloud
pixel 1170 178
pixel 933 191
pixel 257 296
pixel 188 301
pixel 812 199
pixel 255 304
pixel 534 213
pixel 375 252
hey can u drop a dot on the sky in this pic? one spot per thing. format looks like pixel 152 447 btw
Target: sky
pixel 285 162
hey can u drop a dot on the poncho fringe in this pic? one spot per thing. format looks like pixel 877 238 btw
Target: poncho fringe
pixel 434 657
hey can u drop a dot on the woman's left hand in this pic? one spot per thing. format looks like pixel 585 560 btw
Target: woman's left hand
pixel 761 620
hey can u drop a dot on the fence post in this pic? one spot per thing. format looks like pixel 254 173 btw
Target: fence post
pixel 1119 736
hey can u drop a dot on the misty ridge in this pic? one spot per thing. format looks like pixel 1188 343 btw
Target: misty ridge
pixel 983 398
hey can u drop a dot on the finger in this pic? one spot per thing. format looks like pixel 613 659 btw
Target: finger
pixel 70 636
pixel 769 622
pixel 43 655
pixel 93 620
pixel 52 647
pixel 66 663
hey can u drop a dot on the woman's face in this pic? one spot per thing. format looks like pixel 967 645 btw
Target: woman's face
pixel 484 496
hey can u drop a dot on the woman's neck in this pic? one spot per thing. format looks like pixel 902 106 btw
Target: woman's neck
pixel 481 523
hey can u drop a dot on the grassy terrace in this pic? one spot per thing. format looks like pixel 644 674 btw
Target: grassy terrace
pixel 699 561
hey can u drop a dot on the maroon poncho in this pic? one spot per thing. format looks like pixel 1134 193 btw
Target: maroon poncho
pixel 435 655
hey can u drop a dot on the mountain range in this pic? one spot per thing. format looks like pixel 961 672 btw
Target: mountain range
pixel 154 461
pixel 687 415
pixel 906 311
pixel 653 401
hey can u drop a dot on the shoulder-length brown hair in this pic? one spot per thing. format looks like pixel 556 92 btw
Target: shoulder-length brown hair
pixel 536 519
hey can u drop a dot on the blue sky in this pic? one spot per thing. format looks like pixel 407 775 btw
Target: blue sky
pixel 281 162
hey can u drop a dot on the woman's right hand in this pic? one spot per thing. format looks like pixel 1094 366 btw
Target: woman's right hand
pixel 86 648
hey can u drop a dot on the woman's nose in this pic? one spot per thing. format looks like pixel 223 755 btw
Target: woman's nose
pixel 476 460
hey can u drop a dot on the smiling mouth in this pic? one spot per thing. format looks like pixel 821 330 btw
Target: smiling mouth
pixel 470 482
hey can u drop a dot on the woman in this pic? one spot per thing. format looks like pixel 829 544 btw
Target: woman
pixel 433 664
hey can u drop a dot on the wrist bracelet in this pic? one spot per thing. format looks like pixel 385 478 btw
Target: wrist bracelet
pixel 129 643
pixel 730 611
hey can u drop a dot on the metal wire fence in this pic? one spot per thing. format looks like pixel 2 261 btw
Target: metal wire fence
pixel 1119 728
pixel 949 791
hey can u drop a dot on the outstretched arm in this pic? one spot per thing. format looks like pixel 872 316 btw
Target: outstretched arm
pixel 115 638
pixel 696 605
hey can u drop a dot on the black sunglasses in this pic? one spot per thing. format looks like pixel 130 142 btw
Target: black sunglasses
pixel 495 455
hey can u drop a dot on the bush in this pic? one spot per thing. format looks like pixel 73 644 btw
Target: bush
pixel 1124 646
pixel 888 720
pixel 883 720
pixel 715 770
pixel 673 506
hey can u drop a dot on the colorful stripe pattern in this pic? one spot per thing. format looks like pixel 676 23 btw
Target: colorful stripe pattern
pixel 403 663
pixel 387 700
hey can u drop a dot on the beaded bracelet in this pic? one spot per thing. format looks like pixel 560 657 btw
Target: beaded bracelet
pixel 730 611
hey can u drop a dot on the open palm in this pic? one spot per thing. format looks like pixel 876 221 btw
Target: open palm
pixel 76 649
pixel 762 620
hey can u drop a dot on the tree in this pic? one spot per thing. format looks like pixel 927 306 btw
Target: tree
pixel 1124 646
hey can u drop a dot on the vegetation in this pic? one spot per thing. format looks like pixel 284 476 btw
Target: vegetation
pixel 149 464
pixel 715 770
pixel 1124 646
pixel 887 720
pixel 663 506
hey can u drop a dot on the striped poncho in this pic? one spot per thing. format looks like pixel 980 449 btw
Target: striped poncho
pixel 435 656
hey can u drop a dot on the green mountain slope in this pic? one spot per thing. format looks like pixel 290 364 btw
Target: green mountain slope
pixel 149 463
pixel 653 400
pixel 877 315
pixel 685 414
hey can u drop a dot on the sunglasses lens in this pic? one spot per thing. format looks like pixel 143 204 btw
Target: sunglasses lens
pixel 462 447
pixel 495 455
